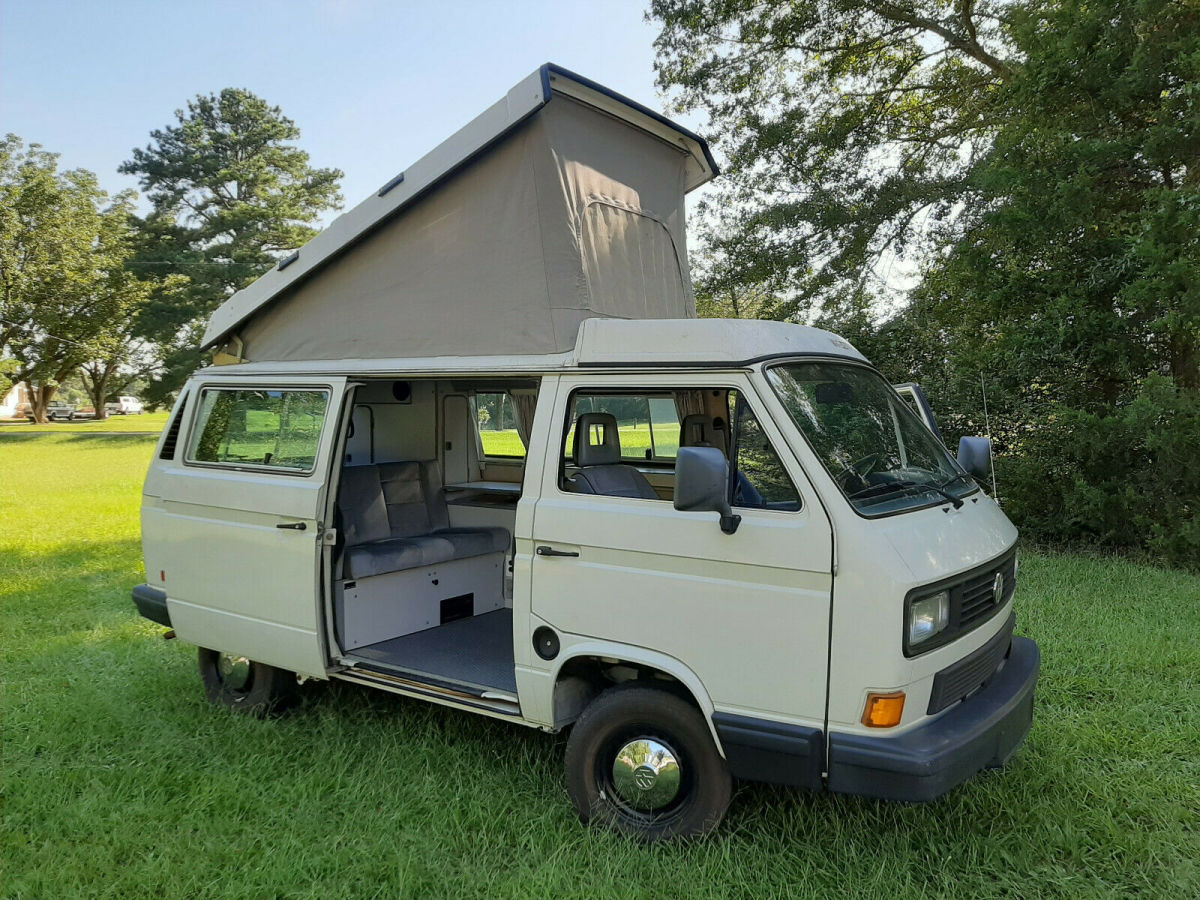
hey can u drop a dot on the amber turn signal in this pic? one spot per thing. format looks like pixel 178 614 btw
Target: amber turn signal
pixel 883 710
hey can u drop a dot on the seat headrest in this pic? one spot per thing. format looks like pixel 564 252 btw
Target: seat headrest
pixel 593 427
pixel 697 430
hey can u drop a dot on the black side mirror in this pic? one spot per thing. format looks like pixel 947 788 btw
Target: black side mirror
pixel 975 455
pixel 702 484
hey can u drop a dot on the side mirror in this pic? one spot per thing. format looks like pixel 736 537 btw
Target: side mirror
pixel 702 484
pixel 975 455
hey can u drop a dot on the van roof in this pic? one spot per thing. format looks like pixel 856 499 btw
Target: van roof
pixel 601 344
pixel 480 139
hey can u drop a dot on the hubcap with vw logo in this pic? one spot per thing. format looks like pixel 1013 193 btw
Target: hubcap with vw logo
pixel 646 774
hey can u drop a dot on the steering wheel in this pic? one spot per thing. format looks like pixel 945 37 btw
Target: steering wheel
pixel 859 470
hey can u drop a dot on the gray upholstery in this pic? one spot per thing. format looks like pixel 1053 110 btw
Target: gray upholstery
pixel 412 501
pixel 360 501
pixel 608 451
pixel 475 541
pixel 395 554
pixel 697 430
pixel 600 469
pixel 394 517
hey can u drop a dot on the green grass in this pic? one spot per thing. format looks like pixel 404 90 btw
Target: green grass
pixel 502 442
pixel 151 421
pixel 121 781
pixel 635 441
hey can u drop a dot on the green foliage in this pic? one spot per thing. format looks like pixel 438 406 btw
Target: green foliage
pixel 1123 479
pixel 63 278
pixel 230 193
pixel 847 128
pixel 1036 166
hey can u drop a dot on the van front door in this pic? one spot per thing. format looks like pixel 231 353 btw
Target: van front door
pixel 233 521
pixel 747 613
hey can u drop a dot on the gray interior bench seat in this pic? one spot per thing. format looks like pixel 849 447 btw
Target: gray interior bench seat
pixel 394 518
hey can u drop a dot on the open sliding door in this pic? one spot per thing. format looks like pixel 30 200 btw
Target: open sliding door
pixel 233 523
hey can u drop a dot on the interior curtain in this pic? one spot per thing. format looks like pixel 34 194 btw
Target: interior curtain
pixel 689 403
pixel 524 404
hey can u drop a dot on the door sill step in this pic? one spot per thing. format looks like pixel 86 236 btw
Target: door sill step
pixel 494 700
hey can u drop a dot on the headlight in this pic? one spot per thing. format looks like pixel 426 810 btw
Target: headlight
pixel 928 616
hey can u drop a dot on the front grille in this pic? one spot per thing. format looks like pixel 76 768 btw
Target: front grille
pixel 956 681
pixel 976 599
pixel 973 600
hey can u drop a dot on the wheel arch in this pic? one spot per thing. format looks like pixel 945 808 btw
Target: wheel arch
pixel 604 654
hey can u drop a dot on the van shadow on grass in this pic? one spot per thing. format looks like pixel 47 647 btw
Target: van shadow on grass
pixel 61 590
pixel 108 438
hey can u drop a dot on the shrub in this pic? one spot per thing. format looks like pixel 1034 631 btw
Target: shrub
pixel 1125 479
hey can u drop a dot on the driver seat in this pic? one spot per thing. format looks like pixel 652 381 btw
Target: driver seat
pixel 600 468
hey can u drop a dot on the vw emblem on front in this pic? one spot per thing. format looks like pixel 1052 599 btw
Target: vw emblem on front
pixel 998 588
pixel 644 777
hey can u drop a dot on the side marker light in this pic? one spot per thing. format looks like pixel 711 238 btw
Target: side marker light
pixel 884 710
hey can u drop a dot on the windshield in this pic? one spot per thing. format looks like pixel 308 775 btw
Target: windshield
pixel 880 454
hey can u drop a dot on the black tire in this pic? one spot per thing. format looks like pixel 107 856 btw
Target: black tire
pixel 629 715
pixel 253 687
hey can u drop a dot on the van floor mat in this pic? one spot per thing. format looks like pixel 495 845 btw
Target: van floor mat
pixel 477 651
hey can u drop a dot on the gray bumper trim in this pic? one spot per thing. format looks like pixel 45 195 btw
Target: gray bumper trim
pixel 981 732
pixel 152 603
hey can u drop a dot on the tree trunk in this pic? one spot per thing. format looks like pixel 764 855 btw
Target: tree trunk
pixel 97 388
pixel 39 400
pixel 96 378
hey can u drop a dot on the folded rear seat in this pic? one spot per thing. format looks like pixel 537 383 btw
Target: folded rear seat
pixel 394 517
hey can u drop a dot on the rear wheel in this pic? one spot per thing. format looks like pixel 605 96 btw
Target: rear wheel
pixel 641 760
pixel 240 683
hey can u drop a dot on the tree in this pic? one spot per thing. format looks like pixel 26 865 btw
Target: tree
pixel 1037 165
pixel 63 248
pixel 122 355
pixel 230 194
pixel 848 127
pixel 725 287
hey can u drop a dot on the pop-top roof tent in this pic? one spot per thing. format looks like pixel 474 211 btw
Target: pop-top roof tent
pixel 561 202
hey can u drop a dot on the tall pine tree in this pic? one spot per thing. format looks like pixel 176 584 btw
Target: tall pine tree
pixel 231 193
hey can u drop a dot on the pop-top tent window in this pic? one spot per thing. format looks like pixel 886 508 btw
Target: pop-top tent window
pixel 560 203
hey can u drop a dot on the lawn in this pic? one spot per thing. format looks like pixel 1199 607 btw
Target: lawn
pixel 635 441
pixel 147 422
pixel 121 781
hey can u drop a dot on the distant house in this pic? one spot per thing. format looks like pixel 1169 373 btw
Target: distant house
pixel 14 401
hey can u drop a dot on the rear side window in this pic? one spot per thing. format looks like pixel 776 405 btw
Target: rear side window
pixel 276 429
pixel 496 414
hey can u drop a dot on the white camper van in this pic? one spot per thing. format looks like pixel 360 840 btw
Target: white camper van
pixel 471 445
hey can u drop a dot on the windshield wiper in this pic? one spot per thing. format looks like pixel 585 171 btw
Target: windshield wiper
pixel 908 487
pixel 953 478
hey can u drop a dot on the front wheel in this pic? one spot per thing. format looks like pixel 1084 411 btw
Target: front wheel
pixel 641 760
pixel 240 683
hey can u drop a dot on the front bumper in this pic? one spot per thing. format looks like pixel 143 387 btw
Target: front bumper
pixel 981 732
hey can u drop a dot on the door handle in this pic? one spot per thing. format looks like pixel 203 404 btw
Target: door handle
pixel 550 551
pixel 294 526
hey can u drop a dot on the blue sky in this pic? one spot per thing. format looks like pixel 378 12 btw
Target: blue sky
pixel 373 85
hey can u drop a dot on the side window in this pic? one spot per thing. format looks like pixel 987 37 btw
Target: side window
pixel 496 415
pixel 278 429
pixel 647 424
pixel 762 481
